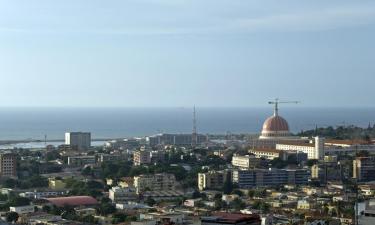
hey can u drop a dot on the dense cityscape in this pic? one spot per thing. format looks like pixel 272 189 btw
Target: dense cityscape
pixel 321 176
pixel 187 112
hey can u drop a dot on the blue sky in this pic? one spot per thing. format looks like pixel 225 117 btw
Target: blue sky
pixel 186 52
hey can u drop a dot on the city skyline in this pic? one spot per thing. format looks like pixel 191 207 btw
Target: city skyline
pixel 172 53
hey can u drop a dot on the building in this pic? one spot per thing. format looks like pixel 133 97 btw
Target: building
pixel 269 178
pixel 43 193
pixel 364 169
pixel 81 160
pixel 142 157
pixel 112 157
pixel 78 140
pixel 244 162
pixel 313 150
pixel 275 127
pixel 22 209
pixel 267 153
pixel 176 139
pixel 222 218
pixel 8 165
pixel 122 195
pixel 367 212
pixel 154 182
pixel 212 179
pixel 73 201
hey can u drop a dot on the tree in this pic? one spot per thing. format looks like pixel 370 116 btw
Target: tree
pixel 106 209
pixel 227 187
pixel 363 153
pixel 119 218
pixel 311 162
pixel 150 201
pixel 87 171
pixel 12 217
pixel 10 183
pixel 237 192
pixel 237 204
pixel 19 201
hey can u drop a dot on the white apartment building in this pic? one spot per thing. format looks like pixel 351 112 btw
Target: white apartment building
pixel 313 150
pixel 267 153
pixel 155 182
pixel 78 140
pixel 122 195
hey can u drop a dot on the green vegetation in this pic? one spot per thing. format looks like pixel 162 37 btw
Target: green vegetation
pixel 342 132
pixel 34 181
pixel 91 187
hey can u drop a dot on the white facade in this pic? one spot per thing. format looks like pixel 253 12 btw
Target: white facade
pixel 121 195
pixel 313 151
pixel 244 162
pixel 22 209
pixel 78 140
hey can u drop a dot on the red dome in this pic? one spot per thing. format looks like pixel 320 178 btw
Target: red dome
pixel 275 124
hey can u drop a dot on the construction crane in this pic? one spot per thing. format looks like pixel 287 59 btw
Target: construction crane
pixel 277 102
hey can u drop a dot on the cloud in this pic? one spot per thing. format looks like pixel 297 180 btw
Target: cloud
pixel 324 19
pixel 312 20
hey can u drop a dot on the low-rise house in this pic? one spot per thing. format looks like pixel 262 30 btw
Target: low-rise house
pixel 22 209
pixel 192 202
pixel 229 198
pixel 43 194
pixel 304 204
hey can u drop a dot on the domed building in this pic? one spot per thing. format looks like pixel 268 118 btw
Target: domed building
pixel 275 127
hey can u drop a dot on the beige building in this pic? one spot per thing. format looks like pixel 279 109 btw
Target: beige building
pixel 267 153
pixel 313 150
pixel 142 157
pixel 212 179
pixel 8 165
pixel 364 169
pixel 244 162
pixel 155 182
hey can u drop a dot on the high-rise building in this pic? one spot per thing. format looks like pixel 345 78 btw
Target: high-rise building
pixel 155 182
pixel 364 168
pixel 268 178
pixel 142 157
pixel 212 179
pixel 245 161
pixel 78 140
pixel 8 165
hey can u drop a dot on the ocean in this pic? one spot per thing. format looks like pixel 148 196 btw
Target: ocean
pixel 34 123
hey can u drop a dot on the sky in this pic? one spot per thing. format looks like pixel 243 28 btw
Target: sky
pixel 235 53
